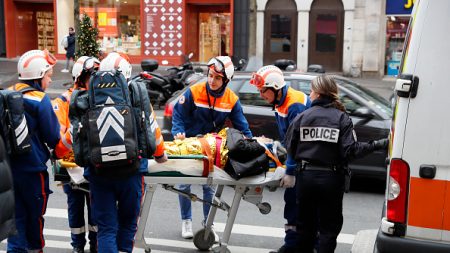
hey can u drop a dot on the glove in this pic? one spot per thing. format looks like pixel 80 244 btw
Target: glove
pixel 180 136
pixel 381 144
pixel 161 159
pixel 287 181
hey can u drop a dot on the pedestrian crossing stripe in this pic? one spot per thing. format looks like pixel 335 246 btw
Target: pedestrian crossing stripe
pixel 220 227
pixel 150 241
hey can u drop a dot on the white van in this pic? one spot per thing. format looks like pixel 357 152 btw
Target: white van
pixel 417 209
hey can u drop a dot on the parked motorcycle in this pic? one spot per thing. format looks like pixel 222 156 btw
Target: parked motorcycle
pixel 162 87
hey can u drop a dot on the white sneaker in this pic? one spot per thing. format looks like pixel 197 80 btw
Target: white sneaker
pixel 65 71
pixel 186 229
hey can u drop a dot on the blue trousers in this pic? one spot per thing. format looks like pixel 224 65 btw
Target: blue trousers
pixel 116 205
pixel 185 203
pixel 76 199
pixel 31 192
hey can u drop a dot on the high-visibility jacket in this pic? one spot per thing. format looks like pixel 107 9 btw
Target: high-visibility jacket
pixel 61 108
pixel 200 111
pixel 292 103
pixel 43 128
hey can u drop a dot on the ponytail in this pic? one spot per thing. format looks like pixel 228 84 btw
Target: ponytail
pixel 326 86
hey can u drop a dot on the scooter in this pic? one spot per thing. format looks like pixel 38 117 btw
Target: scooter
pixel 162 87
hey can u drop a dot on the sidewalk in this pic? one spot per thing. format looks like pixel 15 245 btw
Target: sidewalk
pixel 8 76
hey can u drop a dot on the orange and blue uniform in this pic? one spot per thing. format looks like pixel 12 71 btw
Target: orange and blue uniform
pixel 117 203
pixel 76 199
pixel 200 111
pixel 31 182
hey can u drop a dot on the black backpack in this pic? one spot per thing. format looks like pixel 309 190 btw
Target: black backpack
pixel 13 125
pixel 104 126
pixel 142 121
pixel 145 119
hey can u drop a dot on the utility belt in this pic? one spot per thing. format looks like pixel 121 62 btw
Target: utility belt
pixel 304 165
pixel 310 166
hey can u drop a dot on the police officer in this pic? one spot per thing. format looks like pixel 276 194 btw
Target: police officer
pixel 76 198
pixel 322 141
pixel 287 103
pixel 203 109
pixel 30 176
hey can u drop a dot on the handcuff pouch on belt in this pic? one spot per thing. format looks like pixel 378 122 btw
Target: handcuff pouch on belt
pixel 339 169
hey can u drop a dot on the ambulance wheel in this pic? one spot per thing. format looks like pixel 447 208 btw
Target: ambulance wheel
pixel 200 242
pixel 264 208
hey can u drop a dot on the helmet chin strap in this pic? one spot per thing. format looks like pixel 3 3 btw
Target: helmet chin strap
pixel 275 99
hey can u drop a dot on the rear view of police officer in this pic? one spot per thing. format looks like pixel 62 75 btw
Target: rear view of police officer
pixel 322 141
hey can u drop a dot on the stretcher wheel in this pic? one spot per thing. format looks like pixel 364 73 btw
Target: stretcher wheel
pixel 148 250
pixel 265 208
pixel 200 242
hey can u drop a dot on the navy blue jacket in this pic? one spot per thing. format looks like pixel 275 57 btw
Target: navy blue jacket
pixel 43 127
pixel 324 135
pixel 194 115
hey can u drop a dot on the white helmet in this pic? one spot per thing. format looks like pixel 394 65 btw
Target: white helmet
pixel 84 63
pixel 223 66
pixel 268 77
pixel 117 61
pixel 34 63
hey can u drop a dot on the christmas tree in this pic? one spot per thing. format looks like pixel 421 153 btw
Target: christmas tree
pixel 87 38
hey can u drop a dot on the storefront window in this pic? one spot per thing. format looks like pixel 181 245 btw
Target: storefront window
pixel 280 37
pixel 45 30
pixel 214 35
pixel 395 37
pixel 118 23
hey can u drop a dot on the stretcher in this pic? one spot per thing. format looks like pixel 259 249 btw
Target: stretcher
pixel 189 170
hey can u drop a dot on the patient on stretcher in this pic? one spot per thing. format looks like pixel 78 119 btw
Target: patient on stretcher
pixel 228 150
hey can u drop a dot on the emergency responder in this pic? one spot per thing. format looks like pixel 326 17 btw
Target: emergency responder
pixel 322 141
pixel 288 103
pixel 203 109
pixel 30 176
pixel 116 203
pixel 76 198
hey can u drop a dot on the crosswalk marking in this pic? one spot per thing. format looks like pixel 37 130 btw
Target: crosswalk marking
pixel 219 227
pixel 150 241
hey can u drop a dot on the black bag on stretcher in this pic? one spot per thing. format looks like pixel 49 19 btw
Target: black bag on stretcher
pixel 246 157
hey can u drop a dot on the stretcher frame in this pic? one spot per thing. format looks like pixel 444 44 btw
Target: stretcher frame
pixel 250 191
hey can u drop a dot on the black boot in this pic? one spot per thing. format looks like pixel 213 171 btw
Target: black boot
pixel 282 249
pixel 93 249
pixel 77 250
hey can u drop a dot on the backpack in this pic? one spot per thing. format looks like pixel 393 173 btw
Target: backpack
pixel 145 120
pixel 141 121
pixel 104 126
pixel 65 42
pixel 13 125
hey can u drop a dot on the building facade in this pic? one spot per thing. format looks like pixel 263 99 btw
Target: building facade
pixel 158 29
pixel 354 37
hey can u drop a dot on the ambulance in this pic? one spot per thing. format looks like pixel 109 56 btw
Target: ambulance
pixel 416 216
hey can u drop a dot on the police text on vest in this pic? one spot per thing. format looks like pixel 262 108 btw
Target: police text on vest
pixel 319 134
